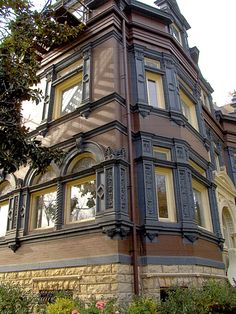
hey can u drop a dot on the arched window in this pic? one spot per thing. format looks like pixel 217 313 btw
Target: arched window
pixel 5 187
pixel 80 201
pixel 43 202
pixel 228 228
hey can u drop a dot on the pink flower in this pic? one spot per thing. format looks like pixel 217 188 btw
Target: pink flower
pixel 100 304
pixel 75 312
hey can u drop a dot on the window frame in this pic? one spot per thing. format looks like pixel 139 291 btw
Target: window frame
pixel 205 99
pixel 186 100
pixel 170 194
pixel 33 209
pixel 61 86
pixel 163 151
pixel 176 33
pixel 68 185
pixel 205 210
pixel 157 78
pixel 5 203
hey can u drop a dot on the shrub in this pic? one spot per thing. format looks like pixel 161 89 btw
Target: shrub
pixel 219 297
pixel 142 305
pixel 214 297
pixel 182 301
pixel 61 306
pixel 13 299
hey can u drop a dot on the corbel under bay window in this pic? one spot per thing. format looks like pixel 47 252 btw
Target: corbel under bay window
pixel 165 194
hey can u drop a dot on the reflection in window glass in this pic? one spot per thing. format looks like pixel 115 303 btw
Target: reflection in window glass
pixel 161 195
pixel 176 33
pixel 152 93
pixel 217 162
pixel 45 210
pixel 186 111
pixel 71 98
pixel 82 201
pixel 3 219
pixel 198 208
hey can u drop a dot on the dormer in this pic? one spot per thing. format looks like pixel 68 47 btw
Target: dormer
pixel 180 25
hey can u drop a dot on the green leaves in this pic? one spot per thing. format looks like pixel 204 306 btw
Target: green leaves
pixel 23 32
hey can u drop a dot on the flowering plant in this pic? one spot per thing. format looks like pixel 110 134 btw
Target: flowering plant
pixel 100 305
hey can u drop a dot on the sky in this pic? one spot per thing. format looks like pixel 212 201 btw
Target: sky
pixel 213 27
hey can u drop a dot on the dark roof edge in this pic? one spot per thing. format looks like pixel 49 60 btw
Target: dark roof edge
pixel 151 11
pixel 138 6
pixel 175 8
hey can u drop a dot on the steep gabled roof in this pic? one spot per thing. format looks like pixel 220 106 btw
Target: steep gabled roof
pixel 171 6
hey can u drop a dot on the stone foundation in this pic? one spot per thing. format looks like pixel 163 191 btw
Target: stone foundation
pixel 107 281
pixel 112 280
pixel 156 277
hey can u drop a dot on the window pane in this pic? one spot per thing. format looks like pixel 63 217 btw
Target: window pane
pixel 198 207
pixel 176 33
pixel 161 196
pixel 83 201
pixel 3 219
pixel 186 110
pixel 71 98
pixel 160 155
pixel 45 210
pixel 217 162
pixel 152 93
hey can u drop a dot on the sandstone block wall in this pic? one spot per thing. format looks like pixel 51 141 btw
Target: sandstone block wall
pixel 112 280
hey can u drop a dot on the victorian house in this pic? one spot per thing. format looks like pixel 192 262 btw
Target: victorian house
pixel 145 196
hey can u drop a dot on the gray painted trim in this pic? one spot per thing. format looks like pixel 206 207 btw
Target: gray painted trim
pixel 96 260
pixel 181 260
pixel 112 259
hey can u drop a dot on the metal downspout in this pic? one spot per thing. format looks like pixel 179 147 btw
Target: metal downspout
pixel 131 165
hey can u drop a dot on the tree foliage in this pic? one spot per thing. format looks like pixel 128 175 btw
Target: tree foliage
pixel 23 31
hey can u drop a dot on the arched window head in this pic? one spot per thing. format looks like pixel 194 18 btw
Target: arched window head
pixel 45 177
pixel 228 228
pixel 81 162
pixel 80 195
pixel 5 187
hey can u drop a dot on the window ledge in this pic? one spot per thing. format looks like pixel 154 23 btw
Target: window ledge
pixel 84 110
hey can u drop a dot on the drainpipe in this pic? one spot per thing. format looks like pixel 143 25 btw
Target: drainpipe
pixel 131 165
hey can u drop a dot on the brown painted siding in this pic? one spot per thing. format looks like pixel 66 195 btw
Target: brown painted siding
pixel 83 246
pixel 164 127
pixel 174 246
